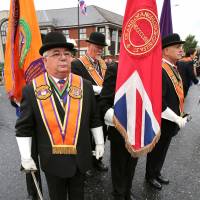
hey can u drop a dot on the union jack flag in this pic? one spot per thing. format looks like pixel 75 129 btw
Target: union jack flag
pixel 137 106
pixel 83 7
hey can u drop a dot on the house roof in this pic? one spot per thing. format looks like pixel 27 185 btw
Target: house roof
pixel 68 17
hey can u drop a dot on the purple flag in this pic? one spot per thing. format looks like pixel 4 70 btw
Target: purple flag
pixel 166 19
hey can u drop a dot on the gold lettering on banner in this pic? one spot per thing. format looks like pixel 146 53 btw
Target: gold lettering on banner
pixel 139 22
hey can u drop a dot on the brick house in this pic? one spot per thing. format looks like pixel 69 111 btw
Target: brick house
pixel 66 20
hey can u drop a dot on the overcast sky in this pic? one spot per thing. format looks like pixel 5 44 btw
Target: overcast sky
pixel 185 13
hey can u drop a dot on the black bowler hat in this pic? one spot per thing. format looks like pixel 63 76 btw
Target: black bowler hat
pixel 42 37
pixel 97 38
pixel 171 40
pixel 55 40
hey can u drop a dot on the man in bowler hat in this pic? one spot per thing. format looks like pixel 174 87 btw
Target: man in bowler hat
pixel 93 68
pixel 122 163
pixel 172 109
pixel 59 109
pixel 31 188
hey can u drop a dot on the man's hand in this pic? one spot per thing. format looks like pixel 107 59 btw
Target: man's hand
pixel 99 151
pixel 28 164
pixel 172 116
pixel 181 121
pixel 108 118
pixel 99 141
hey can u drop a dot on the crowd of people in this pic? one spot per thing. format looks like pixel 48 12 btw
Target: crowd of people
pixel 66 114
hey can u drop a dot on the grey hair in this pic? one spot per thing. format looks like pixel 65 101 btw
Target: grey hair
pixel 45 54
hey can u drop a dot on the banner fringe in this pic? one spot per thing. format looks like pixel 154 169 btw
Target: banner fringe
pixel 135 153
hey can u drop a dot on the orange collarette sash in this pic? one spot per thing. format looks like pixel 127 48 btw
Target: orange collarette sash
pixel 92 71
pixel 64 136
pixel 178 85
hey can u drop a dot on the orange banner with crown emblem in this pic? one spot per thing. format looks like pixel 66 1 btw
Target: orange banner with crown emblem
pixel 22 47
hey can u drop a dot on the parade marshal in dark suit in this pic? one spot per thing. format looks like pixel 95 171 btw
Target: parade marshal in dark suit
pixel 59 109
pixel 172 109
pixel 186 70
pixel 91 67
pixel 122 163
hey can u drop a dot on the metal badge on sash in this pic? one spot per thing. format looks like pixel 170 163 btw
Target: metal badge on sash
pixel 90 68
pixel 43 92
pixel 75 92
pixel 95 75
pixel 63 135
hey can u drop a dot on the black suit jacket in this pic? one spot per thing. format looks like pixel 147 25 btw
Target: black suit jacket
pixel 78 68
pixel 107 94
pixel 169 99
pixel 30 123
pixel 186 70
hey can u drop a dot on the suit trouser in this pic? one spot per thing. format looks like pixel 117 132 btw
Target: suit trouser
pixel 59 188
pixel 31 188
pixel 122 165
pixel 156 158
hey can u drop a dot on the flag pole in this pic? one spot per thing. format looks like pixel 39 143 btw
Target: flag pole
pixel 36 185
pixel 78 30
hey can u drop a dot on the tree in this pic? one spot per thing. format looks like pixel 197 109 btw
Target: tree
pixel 190 42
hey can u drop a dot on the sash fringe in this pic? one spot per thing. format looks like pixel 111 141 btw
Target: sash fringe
pixel 64 150
pixel 135 153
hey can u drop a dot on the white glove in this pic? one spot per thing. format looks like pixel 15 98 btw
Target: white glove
pixel 28 165
pixel 108 118
pixel 181 121
pixel 97 89
pixel 24 144
pixel 172 116
pixel 99 141
pixel 99 151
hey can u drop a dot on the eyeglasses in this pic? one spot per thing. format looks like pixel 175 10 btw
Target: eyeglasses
pixel 58 55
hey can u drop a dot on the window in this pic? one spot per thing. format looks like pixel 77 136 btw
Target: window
pixel 3 30
pixel 66 33
pixel 83 35
pixel 82 52
pixel 114 33
pixel 44 31
pixel 101 30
